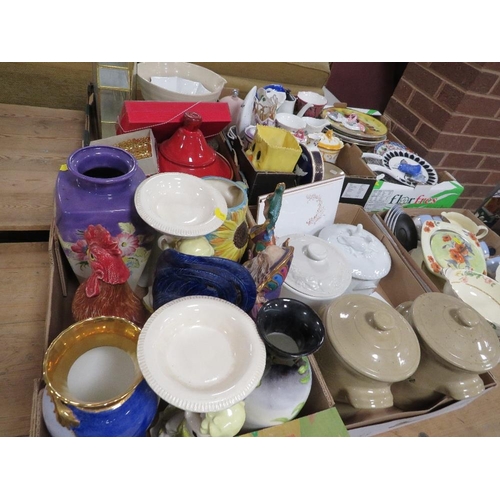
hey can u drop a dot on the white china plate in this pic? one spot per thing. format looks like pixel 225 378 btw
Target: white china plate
pixel 201 354
pixel 180 204
pixel 246 113
pixel 477 290
pixel 445 245
pixel 392 159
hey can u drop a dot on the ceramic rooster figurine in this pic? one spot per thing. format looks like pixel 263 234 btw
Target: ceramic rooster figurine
pixel 106 291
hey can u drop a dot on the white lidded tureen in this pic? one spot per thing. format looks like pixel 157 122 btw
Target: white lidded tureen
pixel 319 272
pixel 368 256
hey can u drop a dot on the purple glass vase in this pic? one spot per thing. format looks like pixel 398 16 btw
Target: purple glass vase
pixel 97 186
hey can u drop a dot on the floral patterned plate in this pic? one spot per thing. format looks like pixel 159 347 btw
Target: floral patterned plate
pixel 479 291
pixel 445 245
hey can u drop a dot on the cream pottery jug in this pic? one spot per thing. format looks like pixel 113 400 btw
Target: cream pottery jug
pixel 369 346
pixel 457 345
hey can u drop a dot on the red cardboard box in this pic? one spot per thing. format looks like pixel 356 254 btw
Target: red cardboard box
pixel 164 118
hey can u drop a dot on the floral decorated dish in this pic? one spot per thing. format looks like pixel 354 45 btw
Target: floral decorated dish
pixel 446 246
pixel 201 354
pixel 180 204
pixel 477 290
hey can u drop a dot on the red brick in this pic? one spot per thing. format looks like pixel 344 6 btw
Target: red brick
pixel 493 178
pixel 461 202
pixel 487 146
pixel 491 163
pixel 454 142
pixel 495 89
pixel 450 96
pixel 461 160
pixel 456 124
pixel 422 79
pixel 493 66
pixel 403 91
pixel 398 112
pixel 483 128
pixel 427 135
pixel 484 82
pixel 430 110
pixel 473 105
pixel 470 176
pixel 476 191
pixel 460 73
pixel 473 204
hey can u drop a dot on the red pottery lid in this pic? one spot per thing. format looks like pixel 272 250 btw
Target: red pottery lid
pixel 188 151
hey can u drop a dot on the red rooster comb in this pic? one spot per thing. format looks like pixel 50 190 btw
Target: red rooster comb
pixel 100 235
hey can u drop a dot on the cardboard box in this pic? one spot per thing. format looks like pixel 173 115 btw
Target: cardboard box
pixel 318 417
pixel 399 286
pixel 259 182
pixel 164 118
pixel 362 188
pixel 429 281
pixel 148 165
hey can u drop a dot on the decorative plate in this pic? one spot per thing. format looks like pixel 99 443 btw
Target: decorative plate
pixel 201 354
pixel 309 166
pixel 354 123
pixel 394 159
pixel 355 140
pixel 446 246
pixel 479 291
pixel 385 146
pixel 180 204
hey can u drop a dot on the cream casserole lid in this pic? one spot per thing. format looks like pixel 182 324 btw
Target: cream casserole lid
pixel 372 337
pixel 455 331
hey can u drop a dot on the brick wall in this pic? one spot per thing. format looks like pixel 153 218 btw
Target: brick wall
pixel 449 113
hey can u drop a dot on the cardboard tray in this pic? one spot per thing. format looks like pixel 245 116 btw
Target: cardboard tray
pixel 399 286
pixel 319 417
pixel 429 281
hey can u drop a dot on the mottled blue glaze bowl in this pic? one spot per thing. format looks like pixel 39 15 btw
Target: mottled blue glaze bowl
pixel 180 275
pixel 93 384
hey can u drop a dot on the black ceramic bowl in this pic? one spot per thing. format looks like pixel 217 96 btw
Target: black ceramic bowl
pixel 289 328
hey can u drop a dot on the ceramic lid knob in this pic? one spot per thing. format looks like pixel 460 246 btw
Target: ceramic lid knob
pixel 467 317
pixel 372 337
pixel 316 252
pixel 383 321
pixel 455 332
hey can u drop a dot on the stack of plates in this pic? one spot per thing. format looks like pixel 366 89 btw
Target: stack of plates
pixel 374 131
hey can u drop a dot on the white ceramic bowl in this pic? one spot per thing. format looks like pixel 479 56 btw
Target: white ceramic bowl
pixel 179 85
pixel 180 204
pixel 477 290
pixel 201 353
pixel 211 81
pixel 290 122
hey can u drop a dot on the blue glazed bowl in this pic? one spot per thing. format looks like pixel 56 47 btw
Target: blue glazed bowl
pixel 94 386
pixel 180 275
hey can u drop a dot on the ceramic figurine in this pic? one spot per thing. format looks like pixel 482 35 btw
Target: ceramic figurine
pixel 269 269
pixel 291 331
pixel 97 186
pixel 174 422
pixel 106 291
pixel 262 235
pixel 179 275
